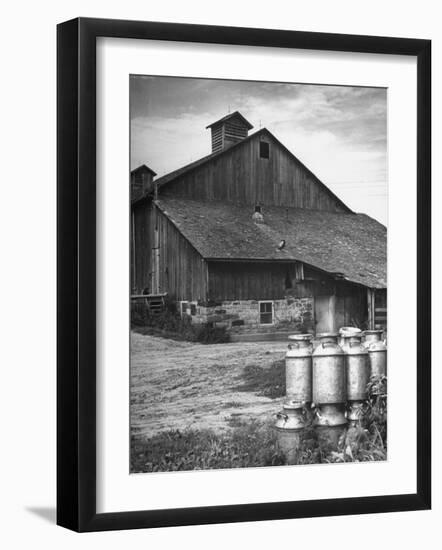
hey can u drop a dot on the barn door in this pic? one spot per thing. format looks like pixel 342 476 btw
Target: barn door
pixel 325 312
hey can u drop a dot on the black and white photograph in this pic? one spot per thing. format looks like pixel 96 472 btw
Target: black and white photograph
pixel 258 274
pixel 217 293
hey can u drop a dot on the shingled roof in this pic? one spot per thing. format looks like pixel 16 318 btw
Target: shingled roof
pixel 353 245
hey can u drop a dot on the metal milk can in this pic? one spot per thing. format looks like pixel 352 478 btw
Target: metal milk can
pixel 330 415
pixel 377 352
pixel 357 367
pixel 371 336
pixel 330 425
pixel 356 413
pixel 347 331
pixel 289 426
pixel 298 368
pixel 328 368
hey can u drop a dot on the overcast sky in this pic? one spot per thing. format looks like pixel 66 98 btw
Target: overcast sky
pixel 339 132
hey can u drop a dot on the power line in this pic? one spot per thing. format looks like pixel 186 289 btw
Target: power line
pixel 358 183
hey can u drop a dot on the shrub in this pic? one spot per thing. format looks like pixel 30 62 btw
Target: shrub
pixel 169 324
pixel 208 334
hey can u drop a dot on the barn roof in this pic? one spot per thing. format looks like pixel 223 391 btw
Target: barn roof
pixel 236 114
pixel 351 245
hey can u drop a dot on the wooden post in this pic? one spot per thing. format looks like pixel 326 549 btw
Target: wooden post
pixel 370 308
pixel 156 255
pixel 332 313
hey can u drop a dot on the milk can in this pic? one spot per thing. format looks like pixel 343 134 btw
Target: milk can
pixel 371 336
pixel 330 424
pixel 343 331
pixel 329 390
pixel 289 427
pixel 356 413
pixel 357 368
pixel 328 371
pixel 377 353
pixel 298 368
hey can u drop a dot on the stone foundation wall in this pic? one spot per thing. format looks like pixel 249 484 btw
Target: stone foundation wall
pixel 243 315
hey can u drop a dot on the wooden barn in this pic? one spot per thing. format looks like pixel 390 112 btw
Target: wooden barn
pixel 249 237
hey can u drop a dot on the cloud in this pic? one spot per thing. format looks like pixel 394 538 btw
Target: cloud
pixel 339 132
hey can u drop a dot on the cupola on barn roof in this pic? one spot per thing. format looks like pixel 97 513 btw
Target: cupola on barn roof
pixel 228 130
pixel 143 168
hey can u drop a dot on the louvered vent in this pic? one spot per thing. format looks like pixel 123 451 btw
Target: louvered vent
pixel 229 130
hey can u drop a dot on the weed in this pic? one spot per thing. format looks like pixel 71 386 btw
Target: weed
pixel 248 445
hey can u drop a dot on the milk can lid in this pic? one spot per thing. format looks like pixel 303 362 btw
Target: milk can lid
pixel 350 330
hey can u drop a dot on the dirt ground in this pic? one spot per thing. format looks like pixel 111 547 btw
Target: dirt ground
pixel 179 385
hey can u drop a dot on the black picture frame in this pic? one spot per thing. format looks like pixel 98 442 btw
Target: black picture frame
pixel 76 273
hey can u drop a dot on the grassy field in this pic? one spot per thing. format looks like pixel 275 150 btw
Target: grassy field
pixel 182 385
pixel 199 406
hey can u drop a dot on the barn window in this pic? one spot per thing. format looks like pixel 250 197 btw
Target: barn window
pixel 264 150
pixel 183 308
pixel 266 313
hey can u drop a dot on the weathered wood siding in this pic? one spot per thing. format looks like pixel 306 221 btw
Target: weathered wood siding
pixel 141 246
pixel 141 183
pixel 351 305
pixel 182 271
pixel 241 176
pixel 351 299
pixel 380 308
pixel 253 281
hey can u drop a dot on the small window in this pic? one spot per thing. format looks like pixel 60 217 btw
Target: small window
pixel 266 313
pixel 264 150
pixel 192 309
pixel 183 308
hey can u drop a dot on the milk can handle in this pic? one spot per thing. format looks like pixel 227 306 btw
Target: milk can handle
pixel 282 415
pixel 328 344
pixel 353 344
